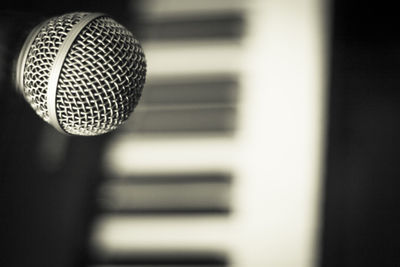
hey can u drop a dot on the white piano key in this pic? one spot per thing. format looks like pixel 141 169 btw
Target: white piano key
pixel 130 155
pixel 180 58
pixel 115 234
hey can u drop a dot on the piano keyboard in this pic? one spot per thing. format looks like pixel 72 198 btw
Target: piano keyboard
pixel 220 164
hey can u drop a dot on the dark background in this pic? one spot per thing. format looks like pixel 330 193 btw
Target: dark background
pixel 362 203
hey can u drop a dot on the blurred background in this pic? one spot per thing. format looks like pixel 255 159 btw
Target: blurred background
pixel 267 135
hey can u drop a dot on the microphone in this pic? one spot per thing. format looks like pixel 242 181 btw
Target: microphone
pixel 81 72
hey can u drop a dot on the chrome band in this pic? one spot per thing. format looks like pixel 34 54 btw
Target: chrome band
pixel 58 63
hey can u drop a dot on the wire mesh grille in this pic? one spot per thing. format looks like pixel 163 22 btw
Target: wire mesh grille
pixel 41 57
pixel 101 80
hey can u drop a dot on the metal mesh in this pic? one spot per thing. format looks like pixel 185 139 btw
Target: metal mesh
pixel 41 57
pixel 100 81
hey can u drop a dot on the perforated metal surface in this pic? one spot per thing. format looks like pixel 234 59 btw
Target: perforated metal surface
pixel 41 57
pixel 101 78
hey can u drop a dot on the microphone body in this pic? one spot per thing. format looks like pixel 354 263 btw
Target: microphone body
pixel 81 72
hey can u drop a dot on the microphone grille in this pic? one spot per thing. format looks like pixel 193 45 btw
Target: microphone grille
pixel 100 80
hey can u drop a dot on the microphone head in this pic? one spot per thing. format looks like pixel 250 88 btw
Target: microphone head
pixel 82 72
